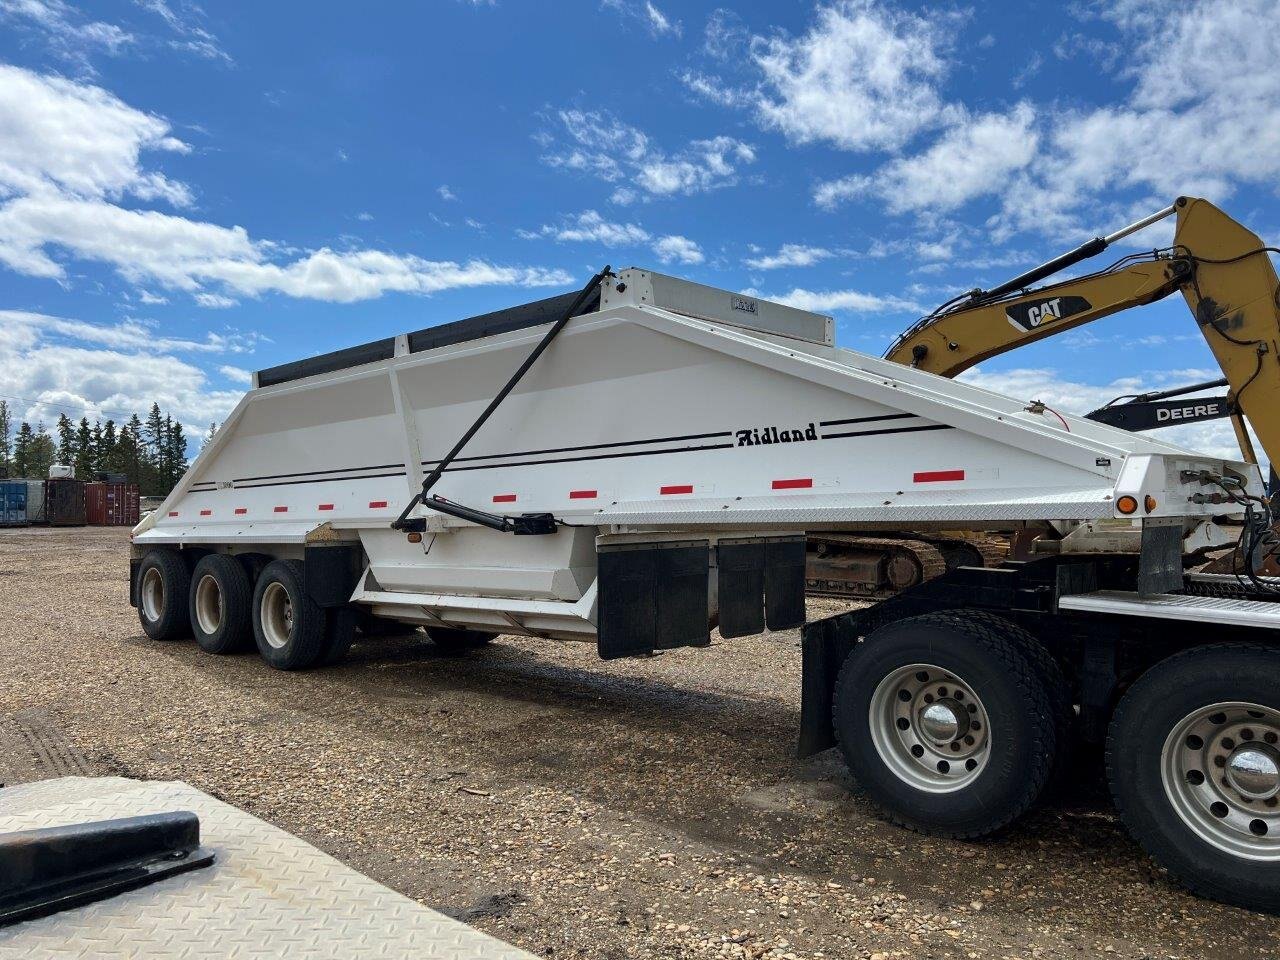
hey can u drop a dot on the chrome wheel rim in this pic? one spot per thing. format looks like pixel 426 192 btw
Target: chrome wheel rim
pixel 208 604
pixel 277 615
pixel 930 728
pixel 1221 772
pixel 153 594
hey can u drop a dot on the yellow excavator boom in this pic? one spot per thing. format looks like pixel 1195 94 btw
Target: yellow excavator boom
pixel 1222 269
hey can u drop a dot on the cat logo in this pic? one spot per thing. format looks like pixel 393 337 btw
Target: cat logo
pixel 1036 313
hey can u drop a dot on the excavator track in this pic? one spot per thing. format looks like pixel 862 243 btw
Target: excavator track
pixel 875 568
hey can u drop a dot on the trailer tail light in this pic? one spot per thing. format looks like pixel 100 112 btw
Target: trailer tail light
pixel 325 506
pixel 1150 503
pixel 1127 505
pixel 281 509
pixel 206 513
pixel 173 513
pixel 676 488
pixel 937 476
pixel 583 494
pixel 504 498
pixel 800 483
pixel 377 504
pixel 241 511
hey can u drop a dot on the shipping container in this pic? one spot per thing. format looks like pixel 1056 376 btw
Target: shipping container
pixel 13 503
pixel 64 503
pixel 35 502
pixel 111 504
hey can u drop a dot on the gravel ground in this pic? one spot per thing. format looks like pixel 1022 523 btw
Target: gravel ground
pixel 577 808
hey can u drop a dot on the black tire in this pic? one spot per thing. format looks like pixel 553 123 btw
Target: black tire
pixel 339 634
pixel 458 641
pixel 1018 756
pixel 164 584
pixel 1056 687
pixel 227 628
pixel 293 643
pixel 1148 715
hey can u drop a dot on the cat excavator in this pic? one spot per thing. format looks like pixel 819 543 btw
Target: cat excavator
pixel 1221 268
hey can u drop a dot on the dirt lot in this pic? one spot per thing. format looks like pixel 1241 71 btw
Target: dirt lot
pixel 576 808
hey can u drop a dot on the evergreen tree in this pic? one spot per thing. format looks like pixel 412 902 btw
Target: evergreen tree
pixel 6 431
pixel 108 454
pixel 66 440
pixel 22 466
pixel 131 452
pixel 83 451
pixel 41 454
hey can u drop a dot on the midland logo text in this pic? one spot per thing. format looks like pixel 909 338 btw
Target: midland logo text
pixel 757 436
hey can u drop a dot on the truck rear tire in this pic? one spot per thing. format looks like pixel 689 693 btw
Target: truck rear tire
pixel 1193 758
pixel 1055 685
pixel 163 586
pixel 288 626
pixel 221 605
pixel 458 641
pixel 945 724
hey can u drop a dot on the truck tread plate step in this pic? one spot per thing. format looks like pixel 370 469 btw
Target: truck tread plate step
pixel 1224 610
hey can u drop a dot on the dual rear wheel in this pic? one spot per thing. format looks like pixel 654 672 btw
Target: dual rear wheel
pixel 955 723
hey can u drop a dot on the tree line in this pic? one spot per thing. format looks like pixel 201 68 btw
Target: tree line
pixel 150 453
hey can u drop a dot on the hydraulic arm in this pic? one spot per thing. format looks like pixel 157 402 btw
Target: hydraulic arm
pixel 1220 267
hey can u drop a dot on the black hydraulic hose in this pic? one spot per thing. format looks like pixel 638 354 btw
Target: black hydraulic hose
pixel 434 476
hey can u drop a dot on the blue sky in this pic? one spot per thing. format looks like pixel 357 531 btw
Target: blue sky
pixel 187 193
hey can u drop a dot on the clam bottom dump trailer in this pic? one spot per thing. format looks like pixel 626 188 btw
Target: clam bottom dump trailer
pixel 637 464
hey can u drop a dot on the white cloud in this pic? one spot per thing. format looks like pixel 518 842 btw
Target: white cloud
pixel 972 159
pixel 78 139
pixel 677 249
pixel 590 227
pixel 191 36
pixel 853 301
pixel 862 77
pixel 364 216
pixel 45 360
pixel 445 192
pixel 790 255
pixel 1213 437
pixel 68 150
pixel 647 13
pixel 215 301
pixel 603 146
pixel 151 299
pixel 236 374
pixel 69 35
pixel 130 334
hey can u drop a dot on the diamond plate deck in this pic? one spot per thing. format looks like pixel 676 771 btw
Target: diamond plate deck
pixel 1242 613
pixel 269 894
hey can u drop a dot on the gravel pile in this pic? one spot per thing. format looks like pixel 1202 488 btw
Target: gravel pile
pixel 578 808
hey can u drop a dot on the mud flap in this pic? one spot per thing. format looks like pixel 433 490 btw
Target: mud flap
pixel 330 572
pixel 760 582
pixel 824 645
pixel 653 596
pixel 1160 562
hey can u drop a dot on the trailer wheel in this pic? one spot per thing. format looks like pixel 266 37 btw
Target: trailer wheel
pixel 458 641
pixel 1055 685
pixel 287 624
pixel 1193 757
pixel 163 585
pixel 221 604
pixel 945 724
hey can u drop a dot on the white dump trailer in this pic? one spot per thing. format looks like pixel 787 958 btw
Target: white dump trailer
pixel 636 465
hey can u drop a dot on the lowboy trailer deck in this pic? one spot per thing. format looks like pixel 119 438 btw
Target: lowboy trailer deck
pixel 647 474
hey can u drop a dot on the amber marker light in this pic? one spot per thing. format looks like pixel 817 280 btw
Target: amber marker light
pixel 1127 505
pixel 1150 503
